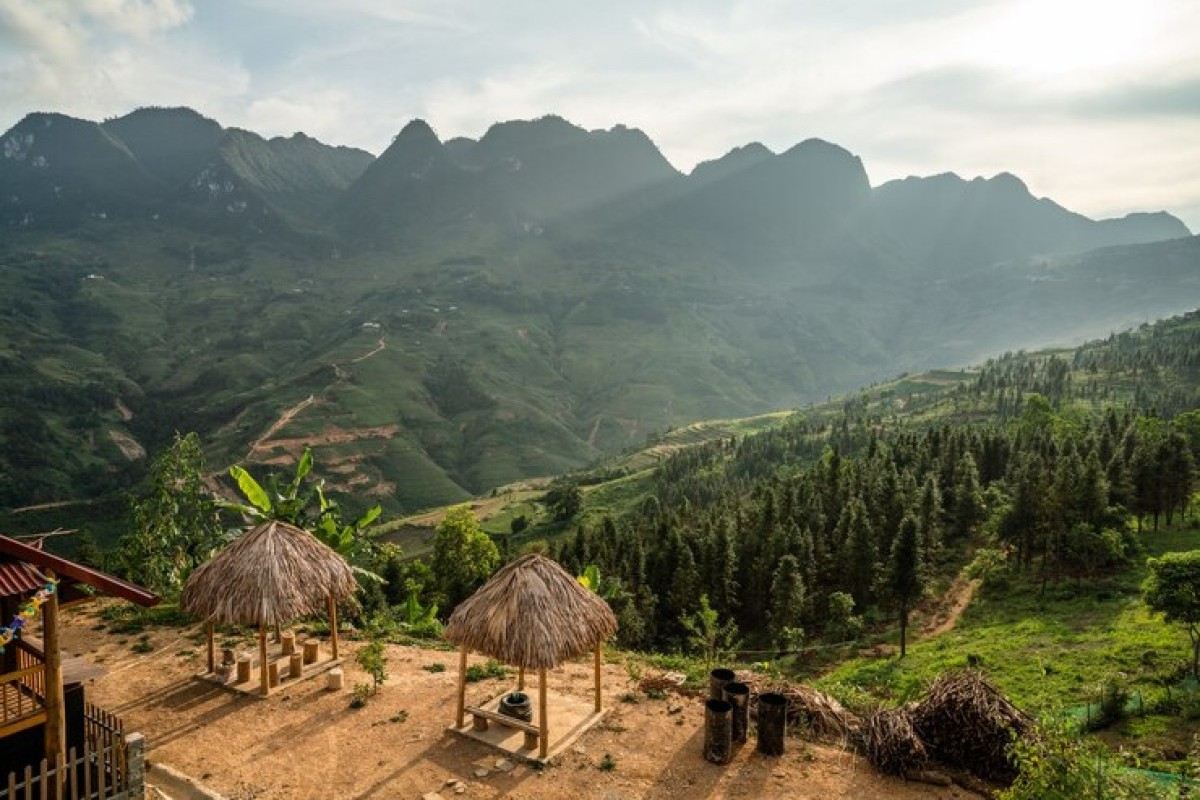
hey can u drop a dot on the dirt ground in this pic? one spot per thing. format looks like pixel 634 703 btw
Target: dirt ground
pixel 306 742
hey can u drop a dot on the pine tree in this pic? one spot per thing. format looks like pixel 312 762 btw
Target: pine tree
pixel 968 498
pixel 787 599
pixel 905 582
pixel 859 562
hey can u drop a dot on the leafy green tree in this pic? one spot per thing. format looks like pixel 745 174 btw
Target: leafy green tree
pixel 563 498
pixel 1173 588
pixel 842 623
pixel 1175 469
pixel 176 524
pixel 463 555
pixel 905 582
pixel 712 639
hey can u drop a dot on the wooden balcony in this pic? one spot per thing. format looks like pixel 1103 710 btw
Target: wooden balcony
pixel 23 692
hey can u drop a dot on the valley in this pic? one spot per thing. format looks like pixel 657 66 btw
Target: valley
pixel 517 306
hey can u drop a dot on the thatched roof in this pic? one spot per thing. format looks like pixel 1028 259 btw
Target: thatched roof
pixel 532 614
pixel 270 576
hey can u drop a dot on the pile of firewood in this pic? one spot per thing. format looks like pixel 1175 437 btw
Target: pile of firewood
pixel 966 722
pixel 890 743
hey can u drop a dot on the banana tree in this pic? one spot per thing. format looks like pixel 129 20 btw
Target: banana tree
pixel 307 506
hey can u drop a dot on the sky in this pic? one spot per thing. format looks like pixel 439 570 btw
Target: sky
pixel 1095 103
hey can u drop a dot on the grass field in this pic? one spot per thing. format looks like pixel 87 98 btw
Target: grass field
pixel 1053 653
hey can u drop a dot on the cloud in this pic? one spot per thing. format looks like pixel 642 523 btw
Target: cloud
pixel 138 18
pixel 1094 103
pixel 97 58
pixel 1175 98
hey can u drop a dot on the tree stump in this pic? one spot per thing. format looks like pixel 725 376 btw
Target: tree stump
pixel 718 731
pixel 273 674
pixel 337 679
pixel 772 723
pixel 243 668
pixel 288 642
pixel 312 648
pixel 738 695
pixel 295 665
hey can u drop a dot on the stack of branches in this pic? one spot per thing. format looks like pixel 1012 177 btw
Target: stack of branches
pixel 890 742
pixel 966 722
pixel 820 714
pixel 809 710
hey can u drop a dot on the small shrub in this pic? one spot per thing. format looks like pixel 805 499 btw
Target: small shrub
pixel 359 695
pixel 1114 696
pixel 373 656
pixel 656 694
pixel 631 697
pixel 142 645
pixel 436 666
pixel 373 659
pixel 399 717
pixel 608 763
pixel 482 672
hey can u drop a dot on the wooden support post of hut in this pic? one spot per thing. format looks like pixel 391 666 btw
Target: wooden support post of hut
pixel 56 711
pixel 268 577
pixel 598 703
pixel 534 615
pixel 333 627
pixel 264 683
pixel 212 653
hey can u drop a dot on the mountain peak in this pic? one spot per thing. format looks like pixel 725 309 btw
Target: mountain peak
pixel 417 130
pixel 736 160
pixel 1006 181
pixel 817 147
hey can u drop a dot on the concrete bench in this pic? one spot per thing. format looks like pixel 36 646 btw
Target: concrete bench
pixel 481 718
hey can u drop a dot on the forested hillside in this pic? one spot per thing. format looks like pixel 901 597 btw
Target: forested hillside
pixel 1060 460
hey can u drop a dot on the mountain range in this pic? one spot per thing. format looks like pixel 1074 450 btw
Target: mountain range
pixel 454 315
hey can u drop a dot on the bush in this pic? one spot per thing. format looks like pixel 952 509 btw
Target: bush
pixel 1114 695
pixel 1058 765
pixel 481 672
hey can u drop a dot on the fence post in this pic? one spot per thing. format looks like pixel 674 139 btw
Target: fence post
pixel 135 766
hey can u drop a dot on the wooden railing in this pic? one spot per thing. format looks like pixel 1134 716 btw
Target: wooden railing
pixel 23 692
pixel 100 771
pixel 28 658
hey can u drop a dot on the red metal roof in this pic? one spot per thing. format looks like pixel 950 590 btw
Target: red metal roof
pixel 17 577
pixel 13 553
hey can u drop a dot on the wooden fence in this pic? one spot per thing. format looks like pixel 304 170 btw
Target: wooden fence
pixel 102 771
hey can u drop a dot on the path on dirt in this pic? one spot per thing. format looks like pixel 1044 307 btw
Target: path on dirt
pixel 380 346
pixel 286 417
pixel 954 603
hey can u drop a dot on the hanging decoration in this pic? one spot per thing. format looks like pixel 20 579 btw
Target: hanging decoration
pixel 26 612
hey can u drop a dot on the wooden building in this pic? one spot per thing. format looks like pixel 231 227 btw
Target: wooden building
pixel 46 722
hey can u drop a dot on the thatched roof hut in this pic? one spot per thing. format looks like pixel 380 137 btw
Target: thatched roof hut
pixel 269 576
pixel 534 615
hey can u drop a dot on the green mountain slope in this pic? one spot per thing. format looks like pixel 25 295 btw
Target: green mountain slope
pixel 455 316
